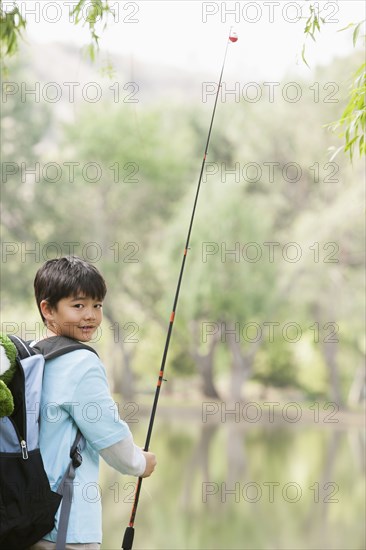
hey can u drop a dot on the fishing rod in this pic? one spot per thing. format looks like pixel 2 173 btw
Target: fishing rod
pixel 130 531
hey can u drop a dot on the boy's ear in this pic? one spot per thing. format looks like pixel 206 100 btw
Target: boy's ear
pixel 47 310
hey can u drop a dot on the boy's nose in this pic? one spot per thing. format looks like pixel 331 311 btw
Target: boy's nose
pixel 89 313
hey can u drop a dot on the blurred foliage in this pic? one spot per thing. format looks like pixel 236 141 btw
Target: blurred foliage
pixel 131 220
pixel 276 366
pixel 12 23
pixel 353 119
pixel 97 11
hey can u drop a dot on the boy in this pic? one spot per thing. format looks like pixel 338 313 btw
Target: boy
pixel 69 294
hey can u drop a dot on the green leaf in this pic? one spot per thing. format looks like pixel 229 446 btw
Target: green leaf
pixel 361 144
pixel 356 32
pixel 347 27
pixel 303 56
pixel 335 153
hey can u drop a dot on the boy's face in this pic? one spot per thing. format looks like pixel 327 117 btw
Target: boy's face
pixel 77 317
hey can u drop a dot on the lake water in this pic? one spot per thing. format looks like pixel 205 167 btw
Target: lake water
pixel 242 485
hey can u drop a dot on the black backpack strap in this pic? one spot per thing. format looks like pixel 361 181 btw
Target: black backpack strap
pixel 66 489
pixel 59 345
pixel 23 348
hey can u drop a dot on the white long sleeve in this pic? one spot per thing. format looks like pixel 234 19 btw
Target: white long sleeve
pixel 125 457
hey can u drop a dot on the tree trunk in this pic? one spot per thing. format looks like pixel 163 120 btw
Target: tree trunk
pixel 329 350
pixel 330 356
pixel 357 392
pixel 127 385
pixel 205 368
pixel 240 369
pixel 241 366
pixel 205 363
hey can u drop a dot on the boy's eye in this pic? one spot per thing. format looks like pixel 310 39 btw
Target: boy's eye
pixel 80 306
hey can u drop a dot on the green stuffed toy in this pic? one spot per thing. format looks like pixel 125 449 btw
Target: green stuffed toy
pixel 8 353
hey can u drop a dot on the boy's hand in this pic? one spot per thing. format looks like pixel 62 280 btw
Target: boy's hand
pixel 150 463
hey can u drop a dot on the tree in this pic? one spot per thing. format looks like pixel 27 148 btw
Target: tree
pixel 352 121
pixel 13 24
pixel 153 212
pixel 224 291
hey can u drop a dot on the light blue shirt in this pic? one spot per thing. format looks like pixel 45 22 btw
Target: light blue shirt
pixel 75 392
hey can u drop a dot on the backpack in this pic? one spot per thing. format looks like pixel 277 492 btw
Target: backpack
pixel 27 504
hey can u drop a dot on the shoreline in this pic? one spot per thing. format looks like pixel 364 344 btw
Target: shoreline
pixel 252 413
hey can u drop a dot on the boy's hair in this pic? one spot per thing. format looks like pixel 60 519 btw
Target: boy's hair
pixel 67 276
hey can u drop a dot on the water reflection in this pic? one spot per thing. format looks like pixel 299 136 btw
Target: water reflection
pixel 238 486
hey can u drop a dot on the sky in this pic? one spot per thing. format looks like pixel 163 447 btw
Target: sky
pixel 192 34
